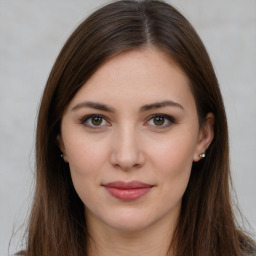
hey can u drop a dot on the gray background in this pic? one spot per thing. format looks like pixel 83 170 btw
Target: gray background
pixel 31 35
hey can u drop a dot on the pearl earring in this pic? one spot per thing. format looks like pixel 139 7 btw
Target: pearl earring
pixel 202 155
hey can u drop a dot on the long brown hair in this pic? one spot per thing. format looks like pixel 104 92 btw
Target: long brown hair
pixel 206 226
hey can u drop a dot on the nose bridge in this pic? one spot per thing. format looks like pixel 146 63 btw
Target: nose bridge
pixel 127 152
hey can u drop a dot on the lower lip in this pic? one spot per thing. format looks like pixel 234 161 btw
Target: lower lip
pixel 128 194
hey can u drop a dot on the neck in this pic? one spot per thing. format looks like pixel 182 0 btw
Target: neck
pixel 151 241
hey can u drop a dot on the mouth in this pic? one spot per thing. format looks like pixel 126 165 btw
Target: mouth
pixel 128 191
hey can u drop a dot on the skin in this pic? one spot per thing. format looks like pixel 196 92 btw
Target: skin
pixel 129 144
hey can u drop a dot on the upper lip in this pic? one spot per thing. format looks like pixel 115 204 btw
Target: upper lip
pixel 127 185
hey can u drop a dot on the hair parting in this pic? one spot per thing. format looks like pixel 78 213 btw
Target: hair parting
pixel 206 225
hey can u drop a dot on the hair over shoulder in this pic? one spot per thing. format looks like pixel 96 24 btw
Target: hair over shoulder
pixel 207 225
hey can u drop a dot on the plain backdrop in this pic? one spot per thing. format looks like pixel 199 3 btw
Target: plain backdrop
pixel 31 36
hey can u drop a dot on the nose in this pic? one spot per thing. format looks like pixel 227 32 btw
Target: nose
pixel 126 152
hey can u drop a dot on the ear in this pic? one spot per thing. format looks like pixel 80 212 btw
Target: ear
pixel 62 147
pixel 205 136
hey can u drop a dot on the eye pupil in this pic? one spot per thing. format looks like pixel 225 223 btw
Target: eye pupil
pixel 159 120
pixel 96 120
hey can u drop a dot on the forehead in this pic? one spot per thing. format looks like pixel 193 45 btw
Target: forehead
pixel 137 76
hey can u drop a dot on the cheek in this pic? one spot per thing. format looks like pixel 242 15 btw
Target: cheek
pixel 175 150
pixel 86 159
pixel 85 155
pixel 172 161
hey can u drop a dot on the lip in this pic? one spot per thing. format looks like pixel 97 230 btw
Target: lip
pixel 128 191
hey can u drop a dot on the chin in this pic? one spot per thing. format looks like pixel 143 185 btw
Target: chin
pixel 131 220
pixel 129 225
pixel 126 219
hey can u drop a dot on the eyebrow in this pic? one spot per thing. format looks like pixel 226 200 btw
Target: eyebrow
pixel 94 105
pixel 161 105
pixel 144 108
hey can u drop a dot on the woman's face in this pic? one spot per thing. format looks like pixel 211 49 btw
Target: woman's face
pixel 130 136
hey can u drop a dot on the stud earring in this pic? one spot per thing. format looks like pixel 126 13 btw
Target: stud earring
pixel 202 155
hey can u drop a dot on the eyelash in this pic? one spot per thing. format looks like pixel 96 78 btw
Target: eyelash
pixel 85 119
pixel 171 120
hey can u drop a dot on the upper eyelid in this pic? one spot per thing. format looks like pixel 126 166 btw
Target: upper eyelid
pixel 84 122
pixel 85 118
pixel 168 117
pixel 170 121
pixel 171 118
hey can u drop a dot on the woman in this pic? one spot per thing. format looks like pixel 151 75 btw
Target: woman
pixel 132 143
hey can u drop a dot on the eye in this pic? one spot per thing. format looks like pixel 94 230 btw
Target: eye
pixel 94 121
pixel 161 120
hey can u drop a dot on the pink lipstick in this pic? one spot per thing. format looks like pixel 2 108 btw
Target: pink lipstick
pixel 128 191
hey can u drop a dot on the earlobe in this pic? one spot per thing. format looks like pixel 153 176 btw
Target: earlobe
pixel 205 137
pixel 62 148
